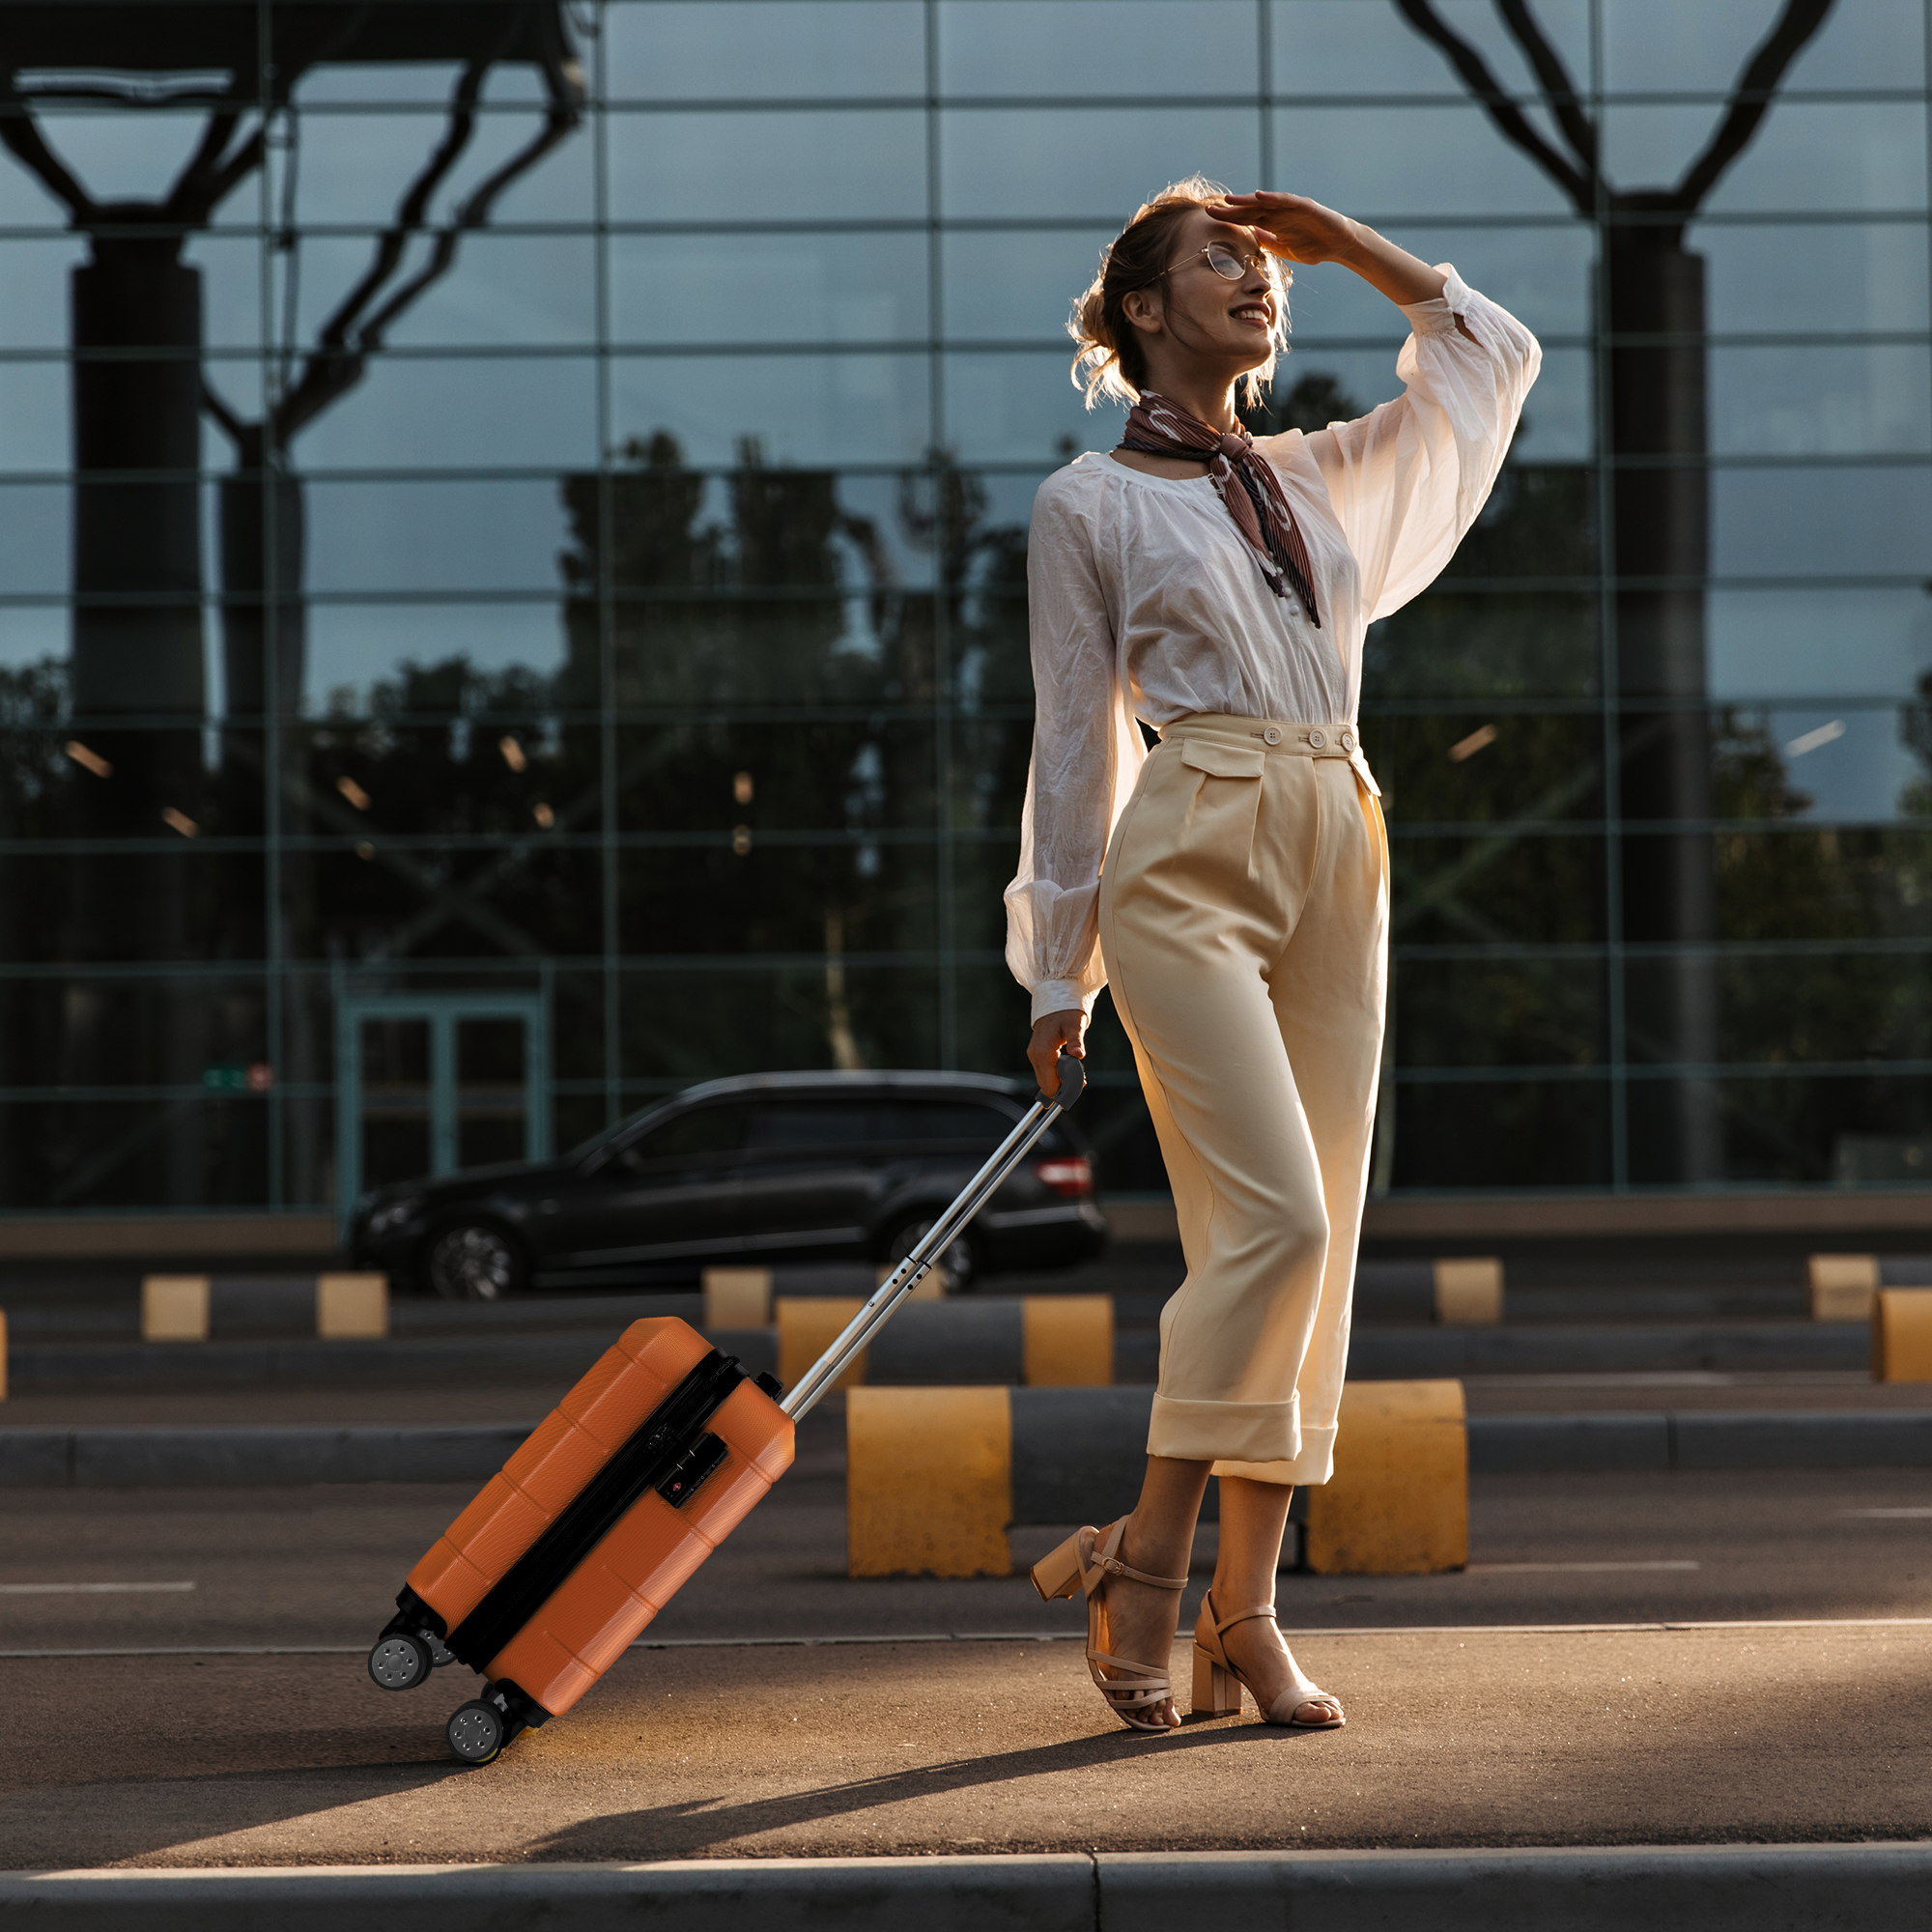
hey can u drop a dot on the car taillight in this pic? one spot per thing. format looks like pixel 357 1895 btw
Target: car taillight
pixel 1072 1176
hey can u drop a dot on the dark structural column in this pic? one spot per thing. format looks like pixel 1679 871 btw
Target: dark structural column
pixel 1657 418
pixel 136 677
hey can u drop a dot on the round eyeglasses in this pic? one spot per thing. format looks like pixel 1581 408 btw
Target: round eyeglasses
pixel 1230 263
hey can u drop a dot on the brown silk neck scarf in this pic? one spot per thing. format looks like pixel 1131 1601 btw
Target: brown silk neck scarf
pixel 1246 482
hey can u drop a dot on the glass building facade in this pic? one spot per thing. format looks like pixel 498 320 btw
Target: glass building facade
pixel 514 542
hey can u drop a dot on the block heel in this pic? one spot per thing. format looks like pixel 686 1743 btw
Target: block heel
pixel 1217 1691
pixel 1058 1573
pixel 1219 1684
pixel 1135 1692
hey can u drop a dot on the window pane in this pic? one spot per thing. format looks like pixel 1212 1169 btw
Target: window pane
pixel 355 649
pixel 1102 162
pixel 1843 401
pixel 718 50
pixel 1499 1013
pixel 863 163
pixel 828 288
pixel 411 412
pixel 1843 762
pixel 1771 643
pixel 1507 886
pixel 35 519
pixel 360 168
pixel 1836 276
pixel 1663 45
pixel 1461 768
pixel 499 289
pixel 1415 160
pixel 796 409
pixel 1008 283
pixel 452 537
pixel 1089 46
pixel 1542 275
pixel 1806 155
pixel 1502 1134
pixel 1023 408
pixel 1342 46
pixel 1825 523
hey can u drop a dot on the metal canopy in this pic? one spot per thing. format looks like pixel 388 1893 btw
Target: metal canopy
pixel 75 41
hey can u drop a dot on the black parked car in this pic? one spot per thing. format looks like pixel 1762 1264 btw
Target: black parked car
pixel 769 1167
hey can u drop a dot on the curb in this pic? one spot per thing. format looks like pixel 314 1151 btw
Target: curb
pixel 1717 1888
pixel 1073 1450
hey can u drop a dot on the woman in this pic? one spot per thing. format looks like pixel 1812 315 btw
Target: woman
pixel 1219 588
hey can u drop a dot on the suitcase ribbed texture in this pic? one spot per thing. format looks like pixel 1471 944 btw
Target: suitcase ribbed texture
pixel 597 1608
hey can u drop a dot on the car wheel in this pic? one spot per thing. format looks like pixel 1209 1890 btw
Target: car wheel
pixel 961 1261
pixel 475 1261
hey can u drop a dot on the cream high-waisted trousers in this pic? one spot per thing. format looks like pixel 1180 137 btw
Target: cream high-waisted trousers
pixel 1245 924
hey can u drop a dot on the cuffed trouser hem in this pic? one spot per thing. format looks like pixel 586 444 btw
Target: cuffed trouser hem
pixel 1316 1463
pixel 1198 1431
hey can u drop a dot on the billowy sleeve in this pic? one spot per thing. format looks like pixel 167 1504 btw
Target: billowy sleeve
pixel 1087 752
pixel 1408 479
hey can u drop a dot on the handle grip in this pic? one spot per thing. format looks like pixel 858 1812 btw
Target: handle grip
pixel 1073 1083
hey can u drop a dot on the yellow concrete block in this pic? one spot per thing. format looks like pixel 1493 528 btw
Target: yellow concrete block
pixel 352 1305
pixel 928 1482
pixel 808 1326
pixel 1842 1286
pixel 1469 1292
pixel 1902 1335
pixel 174 1308
pixel 934 1285
pixel 1398 1504
pixel 737 1298
pixel 1067 1341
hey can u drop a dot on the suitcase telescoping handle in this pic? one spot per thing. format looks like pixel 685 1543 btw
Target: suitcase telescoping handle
pixel 937 1238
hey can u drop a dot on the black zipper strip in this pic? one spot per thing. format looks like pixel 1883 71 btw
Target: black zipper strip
pixel 660 1442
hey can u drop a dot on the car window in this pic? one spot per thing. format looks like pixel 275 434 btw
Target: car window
pixel 701 1130
pixel 818 1123
pixel 952 1121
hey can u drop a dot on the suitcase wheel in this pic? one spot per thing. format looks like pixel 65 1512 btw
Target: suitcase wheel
pixel 401 1661
pixel 476 1731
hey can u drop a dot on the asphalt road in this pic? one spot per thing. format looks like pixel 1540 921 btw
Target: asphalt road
pixel 1465 1727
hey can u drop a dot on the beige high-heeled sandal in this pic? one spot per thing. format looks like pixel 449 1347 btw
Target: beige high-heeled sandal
pixel 1218 1683
pixel 1137 1690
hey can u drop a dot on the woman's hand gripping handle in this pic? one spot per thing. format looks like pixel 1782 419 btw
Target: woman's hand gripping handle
pixel 1052 1035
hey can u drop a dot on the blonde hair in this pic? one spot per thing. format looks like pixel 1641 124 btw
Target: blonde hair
pixel 1111 360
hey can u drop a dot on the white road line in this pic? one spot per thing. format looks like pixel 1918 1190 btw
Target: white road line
pixel 1531 1569
pixel 1056 1637
pixel 91 1589
pixel 1889 1513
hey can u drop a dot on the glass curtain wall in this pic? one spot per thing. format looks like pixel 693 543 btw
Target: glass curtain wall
pixel 514 564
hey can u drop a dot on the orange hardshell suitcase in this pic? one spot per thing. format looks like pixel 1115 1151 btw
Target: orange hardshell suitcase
pixel 629 1484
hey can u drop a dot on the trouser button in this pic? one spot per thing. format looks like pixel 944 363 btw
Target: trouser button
pixel 1315 739
pixel 1272 735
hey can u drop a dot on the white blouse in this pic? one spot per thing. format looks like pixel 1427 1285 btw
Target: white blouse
pixel 1145 602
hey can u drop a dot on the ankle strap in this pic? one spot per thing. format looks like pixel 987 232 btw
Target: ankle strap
pixel 1103 1559
pixel 1248 1615
pixel 1113 1567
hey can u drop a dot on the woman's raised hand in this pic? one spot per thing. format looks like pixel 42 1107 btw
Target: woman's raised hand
pixel 1050 1032
pixel 1289 224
